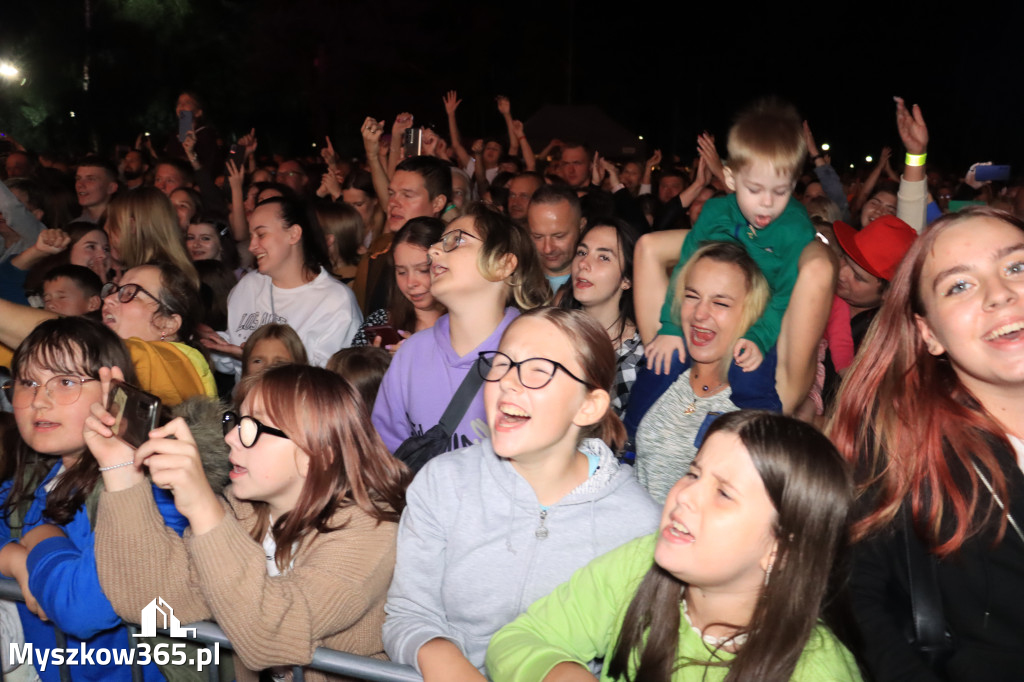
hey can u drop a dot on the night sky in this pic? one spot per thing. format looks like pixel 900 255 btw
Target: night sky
pixel 302 69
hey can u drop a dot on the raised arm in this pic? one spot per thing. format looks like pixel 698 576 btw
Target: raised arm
pixel 451 103
pixel 402 123
pixel 372 130
pixel 870 181
pixel 656 253
pixel 803 324
pixel 505 109
pixel 236 179
pixel 18 321
pixel 529 159
pixel 912 201
pixel 652 163
pixel 826 174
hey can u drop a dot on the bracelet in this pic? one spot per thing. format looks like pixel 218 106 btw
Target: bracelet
pixel 816 157
pixel 117 466
pixel 916 159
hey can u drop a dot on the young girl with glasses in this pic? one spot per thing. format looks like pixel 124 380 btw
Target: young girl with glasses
pixel 492 527
pixel 299 554
pixel 484 270
pixel 49 493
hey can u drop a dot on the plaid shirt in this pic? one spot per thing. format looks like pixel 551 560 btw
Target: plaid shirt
pixel 630 353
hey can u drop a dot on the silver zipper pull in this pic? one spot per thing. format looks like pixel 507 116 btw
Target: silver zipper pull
pixel 541 531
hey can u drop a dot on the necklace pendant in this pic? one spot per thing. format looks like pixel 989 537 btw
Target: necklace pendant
pixel 691 408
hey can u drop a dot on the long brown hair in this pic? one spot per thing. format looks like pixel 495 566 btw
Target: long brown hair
pixel 808 485
pixel 909 424
pixel 348 464
pixel 65 345
pixel 596 356
pixel 147 226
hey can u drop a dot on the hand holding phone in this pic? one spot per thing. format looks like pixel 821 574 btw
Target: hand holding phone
pixel 135 412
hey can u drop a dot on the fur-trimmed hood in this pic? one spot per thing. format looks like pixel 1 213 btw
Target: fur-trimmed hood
pixel 204 417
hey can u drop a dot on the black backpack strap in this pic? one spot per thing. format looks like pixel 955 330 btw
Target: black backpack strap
pixel 462 399
pixel 925 597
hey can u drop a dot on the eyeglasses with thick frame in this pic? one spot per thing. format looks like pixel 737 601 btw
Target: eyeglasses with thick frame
pixel 249 428
pixel 62 389
pixel 494 365
pixel 450 241
pixel 126 293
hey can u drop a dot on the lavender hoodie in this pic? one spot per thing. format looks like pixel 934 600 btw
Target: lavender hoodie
pixel 422 378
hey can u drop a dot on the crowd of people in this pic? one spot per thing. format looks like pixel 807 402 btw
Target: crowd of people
pixel 514 415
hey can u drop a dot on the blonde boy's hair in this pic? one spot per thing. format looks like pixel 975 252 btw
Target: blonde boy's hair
pixel 771 131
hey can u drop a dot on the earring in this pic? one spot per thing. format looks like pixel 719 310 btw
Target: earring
pixel 767 574
pixel 163 334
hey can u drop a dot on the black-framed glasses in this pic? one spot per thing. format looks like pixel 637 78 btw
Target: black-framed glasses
pixel 452 240
pixel 61 389
pixel 249 428
pixel 126 293
pixel 533 372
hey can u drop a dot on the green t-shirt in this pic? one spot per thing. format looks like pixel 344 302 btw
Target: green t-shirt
pixel 580 621
pixel 776 249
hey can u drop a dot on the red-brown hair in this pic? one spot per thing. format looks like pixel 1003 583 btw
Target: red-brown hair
pixel 910 426
pixel 348 464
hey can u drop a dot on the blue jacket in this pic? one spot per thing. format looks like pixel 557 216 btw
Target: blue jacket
pixel 64 580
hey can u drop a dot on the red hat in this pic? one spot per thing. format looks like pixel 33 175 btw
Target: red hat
pixel 879 247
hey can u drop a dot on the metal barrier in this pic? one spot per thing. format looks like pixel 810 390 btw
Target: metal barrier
pixel 324 660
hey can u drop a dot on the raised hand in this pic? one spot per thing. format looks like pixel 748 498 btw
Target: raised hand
pixel 372 130
pixel 52 241
pixel 429 146
pixel 504 105
pixel 174 464
pixel 402 123
pixel 329 186
pixel 517 128
pixel 708 152
pixel 451 102
pixel 236 176
pixel 911 126
pixel 478 147
pixel 105 448
pixel 248 142
pixel 328 154
pixel 654 160
pixel 812 147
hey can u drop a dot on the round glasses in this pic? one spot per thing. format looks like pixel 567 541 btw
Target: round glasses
pixel 533 372
pixel 126 293
pixel 452 240
pixel 249 428
pixel 63 390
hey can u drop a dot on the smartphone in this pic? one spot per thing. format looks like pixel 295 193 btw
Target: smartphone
pixel 388 334
pixel 184 125
pixel 135 412
pixel 985 173
pixel 412 142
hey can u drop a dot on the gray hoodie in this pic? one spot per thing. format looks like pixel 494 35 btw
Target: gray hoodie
pixel 475 548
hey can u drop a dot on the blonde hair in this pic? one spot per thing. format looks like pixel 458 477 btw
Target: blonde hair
pixel 147 227
pixel 758 291
pixel 769 131
pixel 500 237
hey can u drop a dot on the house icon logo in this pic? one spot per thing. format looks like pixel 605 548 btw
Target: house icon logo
pixel 158 608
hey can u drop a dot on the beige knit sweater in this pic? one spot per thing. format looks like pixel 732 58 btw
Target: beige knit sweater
pixel 332 596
